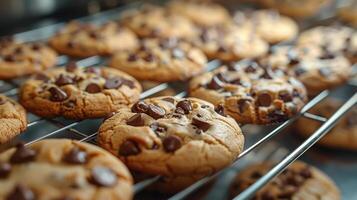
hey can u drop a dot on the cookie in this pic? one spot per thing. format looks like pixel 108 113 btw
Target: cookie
pixel 297 9
pixel 317 69
pixel 84 39
pixel 12 119
pixel 182 140
pixel 79 93
pixel 152 21
pixel 268 24
pixel 298 181
pixel 202 14
pixel 19 59
pixel 342 136
pixel 230 43
pixel 348 13
pixel 161 60
pixel 63 169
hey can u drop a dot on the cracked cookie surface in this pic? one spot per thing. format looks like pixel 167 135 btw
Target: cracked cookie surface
pixel 19 59
pixel 63 169
pixel 251 93
pixel 79 93
pixel 84 39
pixel 298 181
pixel 13 119
pixel 161 60
pixel 180 139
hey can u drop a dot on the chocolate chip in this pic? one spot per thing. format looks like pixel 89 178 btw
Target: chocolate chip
pixel 242 105
pixel 5 170
pixel 204 126
pixel 104 177
pixel 306 173
pixel 178 53
pixel 158 128
pixel 71 67
pixel 327 56
pixel 57 95
pixel 285 96
pixel 70 44
pixel 132 58
pixel 140 107
pixel 264 99
pixel 299 70
pixel 22 155
pixel 169 99
pixel 251 68
pixel 41 77
pixel 325 71
pixel 128 83
pixel 136 120
pixel 155 112
pixel 10 58
pixel 215 83
pixel 185 105
pixel 36 47
pixel 172 143
pixel 113 83
pixel 21 192
pixel 93 88
pixel 179 111
pixel 222 49
pixel 149 57
pixel 268 196
pixel 256 175
pixel 75 156
pixel 94 35
pixel 268 73
pixel 277 116
pixel 64 80
pixel 70 104
pixel 18 50
pixel 129 148
pixel 220 109
pixel 93 70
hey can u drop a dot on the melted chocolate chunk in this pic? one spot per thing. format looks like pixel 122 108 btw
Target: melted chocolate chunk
pixel 70 44
pixel 306 173
pixel 18 50
pixel 140 107
pixel 129 148
pixel 93 88
pixel 57 95
pixel 136 120
pixel 21 192
pixel 71 67
pixel 41 77
pixel 172 143
pixel 242 105
pixel 185 105
pixel 277 116
pixel 5 170
pixel 103 177
pixel 64 80
pixel 113 83
pixel 222 49
pixel 149 57
pixel 199 123
pixel 325 71
pixel 93 70
pixel 132 58
pixel 169 99
pixel 264 99
pixel 76 156
pixel 215 83
pixel 179 111
pixel 36 47
pixel 158 128
pixel 23 155
pixel 9 58
pixel 155 112
pixel 219 109
pixel 285 96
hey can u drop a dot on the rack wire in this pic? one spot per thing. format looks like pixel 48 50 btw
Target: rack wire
pixel 43 33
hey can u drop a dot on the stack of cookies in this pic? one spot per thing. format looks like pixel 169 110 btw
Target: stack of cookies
pixel 179 139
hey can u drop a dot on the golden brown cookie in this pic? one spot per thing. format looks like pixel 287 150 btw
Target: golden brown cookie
pixel 18 59
pixel 251 93
pixel 180 139
pixel 84 39
pixel 298 181
pixel 63 169
pixel 13 119
pixel 342 136
pixel 161 60
pixel 79 93
pixel 348 12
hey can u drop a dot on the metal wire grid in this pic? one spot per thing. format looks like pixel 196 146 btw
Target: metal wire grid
pixel 45 32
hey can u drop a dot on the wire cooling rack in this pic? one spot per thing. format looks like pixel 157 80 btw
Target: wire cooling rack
pixel 40 128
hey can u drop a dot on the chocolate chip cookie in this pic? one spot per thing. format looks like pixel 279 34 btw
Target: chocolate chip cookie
pixel 18 59
pixel 161 60
pixel 62 169
pixel 79 93
pixel 180 139
pixel 251 93
pixel 315 67
pixel 298 181
pixel 152 21
pixel 342 136
pixel 268 24
pixel 203 14
pixel 84 39
pixel 12 119
pixel 230 43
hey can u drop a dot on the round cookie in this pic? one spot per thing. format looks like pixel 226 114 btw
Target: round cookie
pixel 152 21
pixel 342 136
pixel 298 181
pixel 251 93
pixel 19 59
pixel 230 43
pixel 298 9
pixel 13 119
pixel 182 140
pixel 79 93
pixel 268 24
pixel 161 60
pixel 84 39
pixel 63 169
pixel 313 66
pixel 203 14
